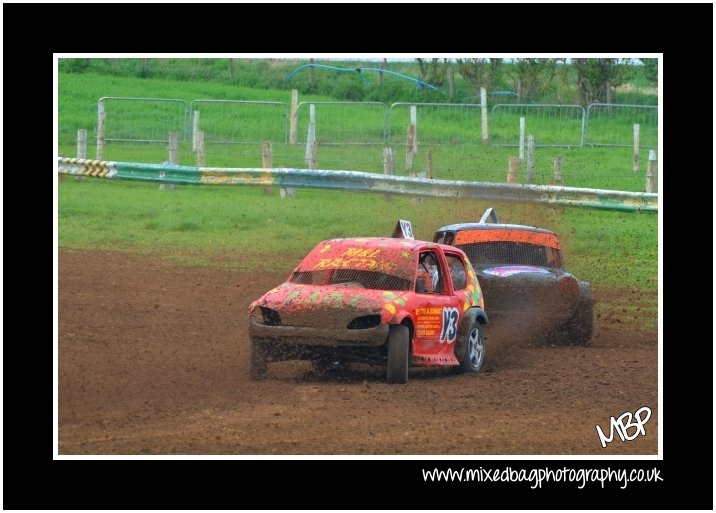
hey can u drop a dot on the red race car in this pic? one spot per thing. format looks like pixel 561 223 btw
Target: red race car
pixel 396 302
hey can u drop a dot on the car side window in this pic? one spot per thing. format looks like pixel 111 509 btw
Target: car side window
pixel 429 277
pixel 457 271
pixel 554 258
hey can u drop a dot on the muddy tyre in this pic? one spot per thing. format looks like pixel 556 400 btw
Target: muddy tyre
pixel 580 326
pixel 578 329
pixel 398 348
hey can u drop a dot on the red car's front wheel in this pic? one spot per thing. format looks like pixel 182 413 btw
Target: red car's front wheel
pixel 398 348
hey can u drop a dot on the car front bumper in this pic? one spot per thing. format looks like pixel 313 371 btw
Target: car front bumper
pixel 313 336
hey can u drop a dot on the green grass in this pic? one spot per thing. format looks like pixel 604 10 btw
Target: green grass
pixel 641 311
pixel 273 74
pixel 452 135
pixel 78 95
pixel 246 228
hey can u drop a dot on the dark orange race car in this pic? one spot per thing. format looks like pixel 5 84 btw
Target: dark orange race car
pixel 396 302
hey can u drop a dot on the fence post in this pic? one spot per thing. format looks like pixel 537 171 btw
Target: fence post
pixel 81 143
pixel 530 158
pixel 293 120
pixel 200 154
pixel 557 179
pixel 310 154
pixel 267 161
pixel 651 171
pixel 194 131
pixel 100 131
pixel 512 168
pixel 522 139
pixel 585 125
pixel 411 145
pixel 388 166
pixel 429 163
pixel 388 162
pixel 451 81
pixel 81 150
pixel 173 157
pixel 483 103
pixel 173 148
pixel 635 160
pixel 311 159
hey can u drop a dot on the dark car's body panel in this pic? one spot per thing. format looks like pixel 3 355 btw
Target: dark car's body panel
pixel 521 272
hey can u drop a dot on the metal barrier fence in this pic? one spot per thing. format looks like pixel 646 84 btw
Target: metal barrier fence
pixel 551 125
pixel 365 182
pixel 352 132
pixel 140 119
pixel 239 121
pixel 611 124
pixel 448 140
pixel 437 124
pixel 373 123
pixel 344 122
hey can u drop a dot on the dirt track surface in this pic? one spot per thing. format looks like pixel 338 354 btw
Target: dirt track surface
pixel 153 360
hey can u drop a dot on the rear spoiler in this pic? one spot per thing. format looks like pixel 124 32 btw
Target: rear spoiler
pixel 403 230
pixel 490 215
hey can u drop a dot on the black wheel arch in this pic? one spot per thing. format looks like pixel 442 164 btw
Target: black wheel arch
pixel 472 315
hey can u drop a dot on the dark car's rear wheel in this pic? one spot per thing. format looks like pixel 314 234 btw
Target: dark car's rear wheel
pixel 578 329
pixel 258 360
pixel 398 349
pixel 473 349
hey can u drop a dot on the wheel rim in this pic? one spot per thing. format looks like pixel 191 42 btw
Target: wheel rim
pixel 475 348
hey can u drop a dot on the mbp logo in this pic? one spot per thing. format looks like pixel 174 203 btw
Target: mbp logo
pixel 624 423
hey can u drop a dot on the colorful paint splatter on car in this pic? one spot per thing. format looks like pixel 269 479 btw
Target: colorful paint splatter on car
pixel 510 270
pixel 345 295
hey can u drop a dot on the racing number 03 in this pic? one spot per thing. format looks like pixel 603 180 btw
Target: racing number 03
pixel 449 325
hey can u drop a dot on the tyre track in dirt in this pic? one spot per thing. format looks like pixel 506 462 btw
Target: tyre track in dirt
pixel 153 360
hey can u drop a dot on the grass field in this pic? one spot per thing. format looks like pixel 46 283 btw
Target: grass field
pixel 239 227
pixel 349 137
pixel 246 228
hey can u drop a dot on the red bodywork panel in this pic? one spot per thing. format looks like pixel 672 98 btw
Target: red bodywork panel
pixel 344 279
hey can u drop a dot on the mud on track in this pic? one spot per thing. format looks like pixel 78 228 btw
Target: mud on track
pixel 153 360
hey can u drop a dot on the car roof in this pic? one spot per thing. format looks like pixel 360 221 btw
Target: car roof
pixel 382 242
pixel 492 226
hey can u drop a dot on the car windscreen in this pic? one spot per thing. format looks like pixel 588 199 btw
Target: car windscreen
pixel 373 266
pixel 351 278
pixel 483 254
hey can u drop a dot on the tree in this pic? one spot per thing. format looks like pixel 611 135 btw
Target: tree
pixel 532 77
pixel 433 71
pixel 480 72
pixel 597 78
pixel 651 70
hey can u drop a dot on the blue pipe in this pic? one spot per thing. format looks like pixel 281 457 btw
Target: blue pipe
pixel 419 82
